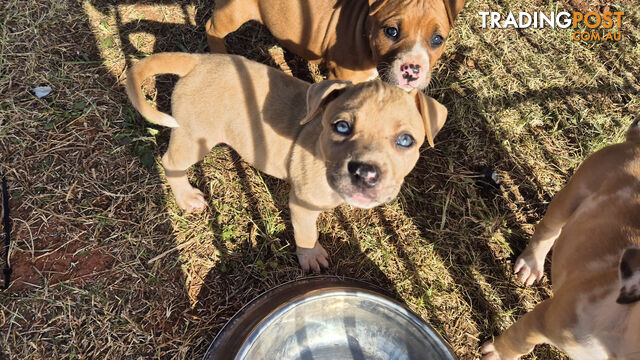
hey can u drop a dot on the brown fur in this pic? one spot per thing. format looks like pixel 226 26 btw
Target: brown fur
pixel 261 113
pixel 346 34
pixel 594 226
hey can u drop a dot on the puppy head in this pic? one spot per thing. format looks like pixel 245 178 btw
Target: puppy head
pixel 629 276
pixel 408 36
pixel 371 135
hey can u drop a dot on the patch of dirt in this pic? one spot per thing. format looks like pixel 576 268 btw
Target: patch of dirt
pixel 55 258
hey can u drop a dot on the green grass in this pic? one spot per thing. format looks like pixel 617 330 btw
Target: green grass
pixel 86 182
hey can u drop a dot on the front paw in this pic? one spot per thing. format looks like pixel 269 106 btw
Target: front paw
pixel 529 267
pixel 313 259
pixel 489 352
pixel 191 201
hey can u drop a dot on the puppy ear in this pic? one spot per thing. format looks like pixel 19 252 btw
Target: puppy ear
pixel 375 5
pixel 433 114
pixel 453 9
pixel 319 94
pixel 629 276
pixel 633 133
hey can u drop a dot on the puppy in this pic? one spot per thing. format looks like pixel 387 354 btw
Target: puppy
pixel 357 39
pixel 594 226
pixel 350 144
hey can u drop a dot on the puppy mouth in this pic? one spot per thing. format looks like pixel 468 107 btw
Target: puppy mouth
pixel 353 195
pixel 361 200
pixel 408 86
pixel 360 197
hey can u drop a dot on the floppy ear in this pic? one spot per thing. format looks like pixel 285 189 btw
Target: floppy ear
pixel 375 5
pixel 433 114
pixel 319 94
pixel 633 133
pixel 453 9
pixel 629 276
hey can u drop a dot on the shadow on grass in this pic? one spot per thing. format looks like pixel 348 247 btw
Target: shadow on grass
pixel 237 278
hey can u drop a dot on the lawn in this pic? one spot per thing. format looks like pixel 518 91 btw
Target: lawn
pixel 106 265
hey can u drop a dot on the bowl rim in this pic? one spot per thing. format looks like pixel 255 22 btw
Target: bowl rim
pixel 232 336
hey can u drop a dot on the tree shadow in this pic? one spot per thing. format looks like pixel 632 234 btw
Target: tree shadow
pixel 248 272
pixel 237 276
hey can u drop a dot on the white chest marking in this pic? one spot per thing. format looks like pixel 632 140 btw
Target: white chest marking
pixel 600 327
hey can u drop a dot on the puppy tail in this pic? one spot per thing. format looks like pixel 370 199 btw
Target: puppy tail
pixel 166 63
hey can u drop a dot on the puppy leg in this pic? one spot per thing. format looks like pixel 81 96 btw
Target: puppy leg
pixel 311 255
pixel 227 17
pixel 521 337
pixel 529 266
pixel 183 152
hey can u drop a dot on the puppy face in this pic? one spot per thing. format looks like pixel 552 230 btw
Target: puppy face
pixel 370 140
pixel 406 38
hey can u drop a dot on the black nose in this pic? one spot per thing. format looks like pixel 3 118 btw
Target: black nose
pixel 363 174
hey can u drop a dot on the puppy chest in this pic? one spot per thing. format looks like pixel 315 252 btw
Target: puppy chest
pixel 600 327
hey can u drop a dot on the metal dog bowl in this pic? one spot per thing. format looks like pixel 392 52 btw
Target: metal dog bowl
pixel 326 318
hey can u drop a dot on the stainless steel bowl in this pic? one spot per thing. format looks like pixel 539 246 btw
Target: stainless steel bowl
pixel 326 318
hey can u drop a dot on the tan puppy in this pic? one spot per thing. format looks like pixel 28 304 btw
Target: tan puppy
pixel 352 144
pixel 594 226
pixel 357 39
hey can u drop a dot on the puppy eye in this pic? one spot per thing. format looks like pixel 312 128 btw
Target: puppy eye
pixel 405 140
pixel 342 127
pixel 436 40
pixel 392 32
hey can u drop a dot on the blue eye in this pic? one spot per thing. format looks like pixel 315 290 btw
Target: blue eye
pixel 405 140
pixel 342 127
pixel 437 40
pixel 391 32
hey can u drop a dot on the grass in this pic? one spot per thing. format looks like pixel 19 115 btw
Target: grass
pixel 106 266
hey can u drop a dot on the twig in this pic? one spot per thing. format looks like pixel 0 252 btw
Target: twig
pixel 181 246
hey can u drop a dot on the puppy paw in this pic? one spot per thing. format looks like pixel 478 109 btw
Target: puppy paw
pixel 529 268
pixel 313 259
pixel 191 201
pixel 489 352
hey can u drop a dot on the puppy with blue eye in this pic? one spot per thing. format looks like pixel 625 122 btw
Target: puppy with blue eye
pixel 399 40
pixel 334 142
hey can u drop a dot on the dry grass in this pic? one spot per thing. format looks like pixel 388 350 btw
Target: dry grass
pixel 91 208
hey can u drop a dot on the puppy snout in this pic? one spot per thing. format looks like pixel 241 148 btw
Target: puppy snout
pixel 410 71
pixel 413 68
pixel 363 174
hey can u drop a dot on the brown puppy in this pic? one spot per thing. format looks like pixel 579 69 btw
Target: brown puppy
pixel 352 144
pixel 594 226
pixel 357 39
